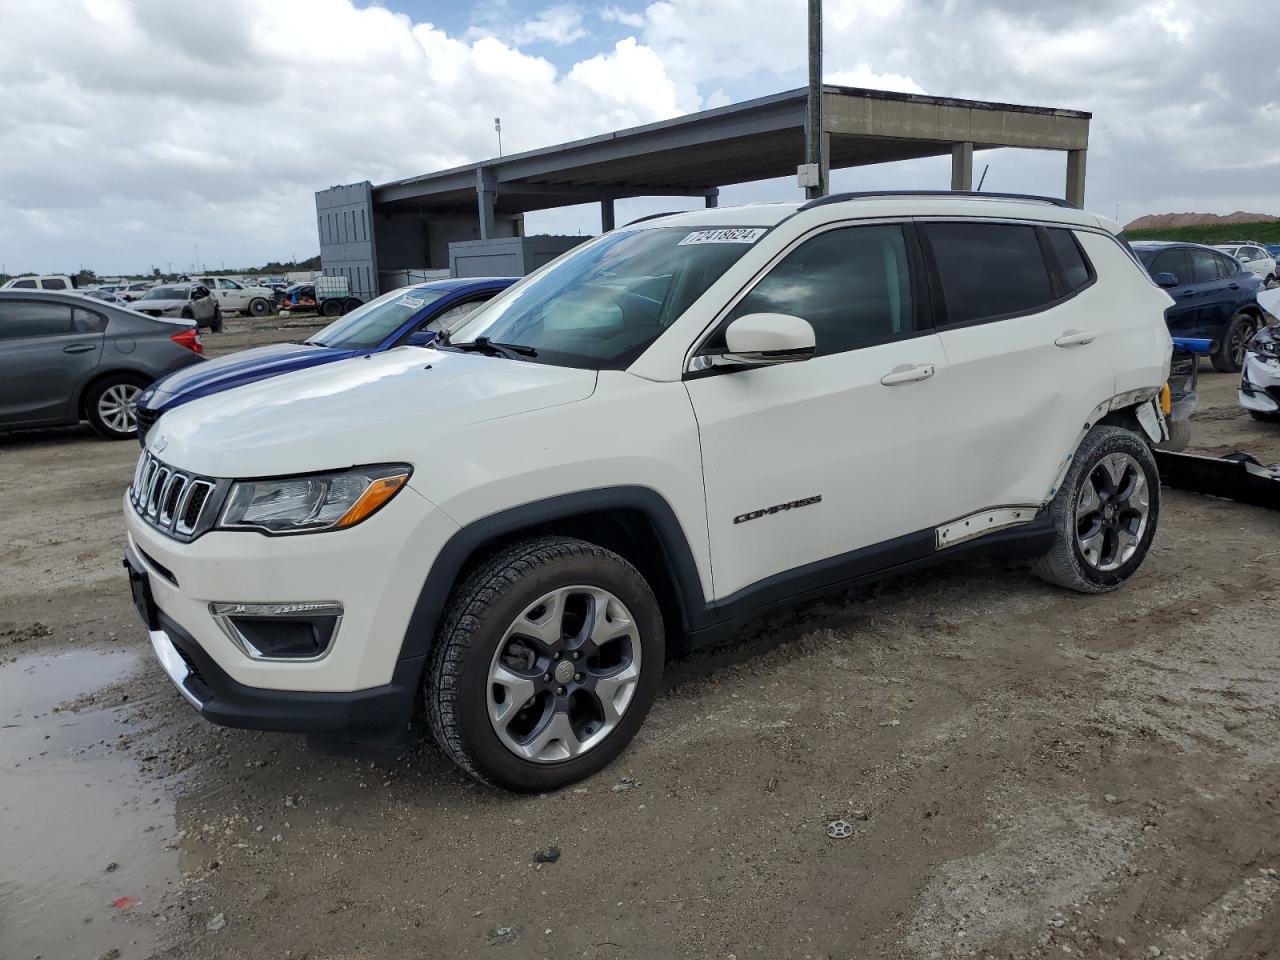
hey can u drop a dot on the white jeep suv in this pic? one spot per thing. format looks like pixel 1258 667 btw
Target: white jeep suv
pixel 671 429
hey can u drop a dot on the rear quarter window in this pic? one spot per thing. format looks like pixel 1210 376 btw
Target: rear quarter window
pixel 988 270
pixel 1076 270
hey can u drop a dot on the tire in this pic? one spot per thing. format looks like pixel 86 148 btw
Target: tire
pixel 1265 417
pixel 350 304
pixel 215 324
pixel 488 610
pixel 1068 564
pixel 1229 357
pixel 1179 435
pixel 258 307
pixel 102 406
pixel 1270 282
pixel 331 308
pixel 187 314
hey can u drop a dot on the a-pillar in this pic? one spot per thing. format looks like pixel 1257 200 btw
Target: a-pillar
pixel 1075 176
pixel 962 166
pixel 606 214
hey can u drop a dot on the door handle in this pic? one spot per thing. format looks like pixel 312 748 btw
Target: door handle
pixel 1189 293
pixel 908 373
pixel 1074 338
pixel 79 348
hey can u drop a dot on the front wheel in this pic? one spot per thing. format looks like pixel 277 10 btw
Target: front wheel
pixel 331 308
pixel 1265 417
pixel 215 325
pixel 1229 357
pixel 546 665
pixel 1104 514
pixel 110 407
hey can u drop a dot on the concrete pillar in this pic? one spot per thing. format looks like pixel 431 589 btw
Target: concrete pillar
pixel 606 215
pixel 962 166
pixel 486 199
pixel 825 166
pixel 713 198
pixel 1075 176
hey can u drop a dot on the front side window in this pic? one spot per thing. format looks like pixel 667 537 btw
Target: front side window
pixel 1204 267
pixel 22 319
pixel 1173 262
pixel 367 326
pixel 228 285
pixel 853 286
pixel 25 284
pixel 604 303
pixel 989 270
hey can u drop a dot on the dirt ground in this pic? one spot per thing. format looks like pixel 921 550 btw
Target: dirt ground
pixel 1027 772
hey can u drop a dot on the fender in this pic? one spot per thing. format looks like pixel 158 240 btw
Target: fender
pixel 427 612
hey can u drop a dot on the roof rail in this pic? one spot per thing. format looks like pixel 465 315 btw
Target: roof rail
pixel 968 194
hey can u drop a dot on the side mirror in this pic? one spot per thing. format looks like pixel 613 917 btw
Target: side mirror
pixel 763 339
pixel 419 338
pixel 1165 280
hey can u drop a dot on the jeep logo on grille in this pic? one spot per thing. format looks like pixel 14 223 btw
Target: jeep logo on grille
pixel 160 444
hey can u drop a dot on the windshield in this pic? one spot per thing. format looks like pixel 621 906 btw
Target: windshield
pixel 603 304
pixel 367 326
pixel 165 293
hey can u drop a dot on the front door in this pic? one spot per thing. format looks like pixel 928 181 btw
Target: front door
pixel 807 462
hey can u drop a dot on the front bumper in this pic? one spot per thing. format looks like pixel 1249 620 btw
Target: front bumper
pixel 360 689
pixel 1260 384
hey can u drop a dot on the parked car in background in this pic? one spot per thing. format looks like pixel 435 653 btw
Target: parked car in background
pixel 135 290
pixel 1274 250
pixel 64 358
pixel 1214 296
pixel 411 316
pixel 1260 379
pixel 56 281
pixel 675 428
pixel 1255 258
pixel 234 296
pixel 190 301
pixel 106 296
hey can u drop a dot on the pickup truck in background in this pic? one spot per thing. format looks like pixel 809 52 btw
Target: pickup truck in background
pixel 233 295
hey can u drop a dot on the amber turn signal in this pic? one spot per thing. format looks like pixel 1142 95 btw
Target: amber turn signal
pixel 378 493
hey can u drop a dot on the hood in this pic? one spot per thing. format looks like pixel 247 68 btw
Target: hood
pixel 378 408
pixel 236 369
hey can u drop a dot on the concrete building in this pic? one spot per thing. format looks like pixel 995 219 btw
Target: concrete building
pixel 471 218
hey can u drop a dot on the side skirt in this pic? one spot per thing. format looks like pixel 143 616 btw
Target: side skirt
pixel 864 566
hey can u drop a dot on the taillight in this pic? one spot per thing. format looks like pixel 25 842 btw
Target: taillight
pixel 189 338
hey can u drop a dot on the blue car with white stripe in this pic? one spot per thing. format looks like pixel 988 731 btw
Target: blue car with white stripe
pixel 409 316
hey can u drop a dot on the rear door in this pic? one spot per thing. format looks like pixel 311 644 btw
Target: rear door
pixel 1029 354
pixel 47 352
pixel 1215 299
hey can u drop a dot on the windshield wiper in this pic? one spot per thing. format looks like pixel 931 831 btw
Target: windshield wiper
pixel 511 351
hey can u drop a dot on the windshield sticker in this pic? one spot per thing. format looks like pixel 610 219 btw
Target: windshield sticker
pixel 415 302
pixel 728 235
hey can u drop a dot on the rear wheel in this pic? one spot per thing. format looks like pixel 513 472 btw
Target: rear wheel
pixel 216 323
pixel 350 304
pixel 1105 513
pixel 1229 357
pixel 258 307
pixel 331 308
pixel 547 663
pixel 110 406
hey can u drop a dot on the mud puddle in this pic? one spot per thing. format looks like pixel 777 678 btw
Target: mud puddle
pixel 80 829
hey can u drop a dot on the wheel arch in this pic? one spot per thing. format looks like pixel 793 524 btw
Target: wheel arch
pixel 635 522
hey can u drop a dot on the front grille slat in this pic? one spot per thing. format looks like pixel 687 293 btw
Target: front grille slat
pixel 178 504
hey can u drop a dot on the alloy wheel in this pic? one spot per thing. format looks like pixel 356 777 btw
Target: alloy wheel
pixel 117 407
pixel 1239 343
pixel 564 674
pixel 1112 512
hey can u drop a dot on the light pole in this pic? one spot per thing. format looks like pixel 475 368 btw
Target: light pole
pixel 497 126
pixel 817 186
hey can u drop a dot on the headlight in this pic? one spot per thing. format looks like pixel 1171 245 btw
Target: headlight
pixel 324 501
pixel 1267 346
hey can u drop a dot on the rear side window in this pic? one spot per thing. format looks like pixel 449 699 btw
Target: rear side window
pixel 852 284
pixel 1076 272
pixel 21 319
pixel 1174 262
pixel 86 321
pixel 989 270
pixel 53 283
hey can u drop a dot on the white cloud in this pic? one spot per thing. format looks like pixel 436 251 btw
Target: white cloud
pixel 559 25
pixel 624 17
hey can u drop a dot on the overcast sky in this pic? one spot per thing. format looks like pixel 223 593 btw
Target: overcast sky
pixel 134 131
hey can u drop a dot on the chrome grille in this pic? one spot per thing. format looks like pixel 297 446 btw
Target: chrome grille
pixel 179 504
